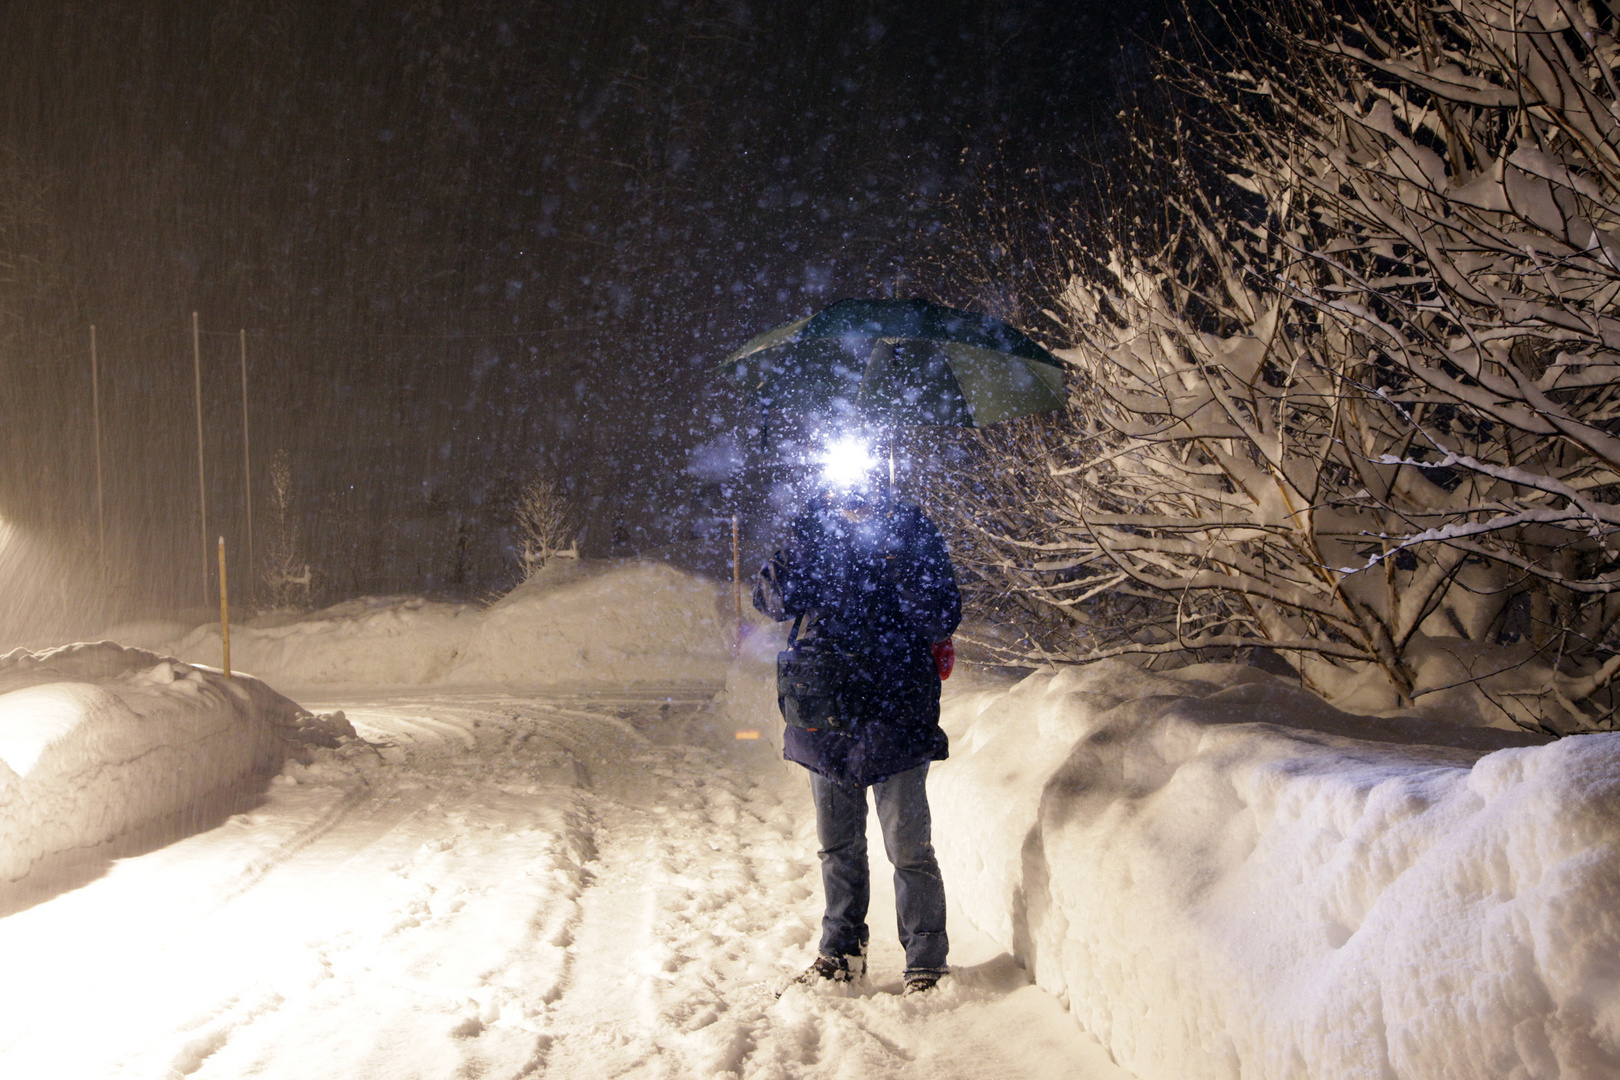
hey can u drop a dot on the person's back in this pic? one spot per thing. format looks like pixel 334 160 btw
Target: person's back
pixel 867 581
pixel 868 577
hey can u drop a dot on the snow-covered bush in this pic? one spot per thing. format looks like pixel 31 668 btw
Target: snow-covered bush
pixel 545 524
pixel 286 575
pixel 1197 494
pixel 1453 175
pixel 1346 380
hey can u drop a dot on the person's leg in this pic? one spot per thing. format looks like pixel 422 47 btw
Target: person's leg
pixel 919 890
pixel 845 884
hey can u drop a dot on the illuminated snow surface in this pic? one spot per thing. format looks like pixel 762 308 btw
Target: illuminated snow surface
pixel 604 622
pixel 510 886
pixel 97 740
pixel 1214 873
pixel 589 881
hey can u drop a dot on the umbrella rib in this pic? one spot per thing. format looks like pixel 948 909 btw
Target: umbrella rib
pixel 1006 373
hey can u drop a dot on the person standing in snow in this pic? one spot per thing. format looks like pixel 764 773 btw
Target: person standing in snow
pixel 867 581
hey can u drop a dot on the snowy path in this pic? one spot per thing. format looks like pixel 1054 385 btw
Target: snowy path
pixel 567 887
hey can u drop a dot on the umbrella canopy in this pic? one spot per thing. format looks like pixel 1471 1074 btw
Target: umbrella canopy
pixel 901 362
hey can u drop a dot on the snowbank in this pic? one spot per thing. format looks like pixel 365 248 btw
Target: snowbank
pixel 1477 683
pixel 575 621
pixel 1221 883
pixel 623 623
pixel 372 641
pixel 97 740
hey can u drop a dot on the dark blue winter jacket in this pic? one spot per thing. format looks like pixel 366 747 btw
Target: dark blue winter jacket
pixel 876 582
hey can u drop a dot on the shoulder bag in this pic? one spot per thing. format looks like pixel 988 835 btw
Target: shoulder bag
pixel 820 687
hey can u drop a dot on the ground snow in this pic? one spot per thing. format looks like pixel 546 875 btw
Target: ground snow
pixel 557 884
pixel 593 881
pixel 1217 895
pixel 97 740
pixel 1219 874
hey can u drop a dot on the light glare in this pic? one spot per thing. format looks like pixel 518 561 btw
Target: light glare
pixel 847 462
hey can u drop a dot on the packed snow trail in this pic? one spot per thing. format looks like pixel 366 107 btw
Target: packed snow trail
pixel 579 885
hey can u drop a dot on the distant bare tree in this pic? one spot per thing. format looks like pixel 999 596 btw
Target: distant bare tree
pixel 286 574
pixel 545 523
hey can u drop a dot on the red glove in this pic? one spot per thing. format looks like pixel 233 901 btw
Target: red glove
pixel 944 657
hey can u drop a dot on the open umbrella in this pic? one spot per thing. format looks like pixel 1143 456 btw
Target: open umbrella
pixel 900 362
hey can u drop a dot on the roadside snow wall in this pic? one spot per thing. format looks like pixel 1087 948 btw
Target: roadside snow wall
pixel 621 623
pixel 575 621
pixel 97 740
pixel 372 641
pixel 1221 883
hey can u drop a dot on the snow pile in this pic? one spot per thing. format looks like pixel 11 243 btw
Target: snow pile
pixel 372 641
pixel 97 740
pixel 622 623
pixel 1454 679
pixel 575 621
pixel 1216 894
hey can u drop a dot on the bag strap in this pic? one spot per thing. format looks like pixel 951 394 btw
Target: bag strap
pixel 793 635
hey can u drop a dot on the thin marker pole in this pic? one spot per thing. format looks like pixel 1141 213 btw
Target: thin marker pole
pixel 202 482
pixel 224 612
pixel 247 466
pixel 736 570
pixel 95 408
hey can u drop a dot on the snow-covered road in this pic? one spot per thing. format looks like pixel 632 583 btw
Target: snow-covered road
pixel 580 885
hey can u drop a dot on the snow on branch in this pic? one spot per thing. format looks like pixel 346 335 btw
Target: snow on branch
pixel 1347 359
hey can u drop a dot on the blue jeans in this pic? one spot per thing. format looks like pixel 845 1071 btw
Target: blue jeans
pixel 919 891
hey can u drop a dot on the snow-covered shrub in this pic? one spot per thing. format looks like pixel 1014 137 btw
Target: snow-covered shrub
pixel 1345 369
pixel 545 524
pixel 1204 473
pixel 286 575
pixel 1453 173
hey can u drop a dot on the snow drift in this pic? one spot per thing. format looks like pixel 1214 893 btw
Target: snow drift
pixel 97 740
pixel 622 623
pixel 574 621
pixel 1222 882
pixel 373 641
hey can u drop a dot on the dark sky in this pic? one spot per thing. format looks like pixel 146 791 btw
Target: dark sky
pixel 470 239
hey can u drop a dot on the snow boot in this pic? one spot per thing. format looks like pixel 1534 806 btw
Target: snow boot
pixel 921 982
pixel 838 969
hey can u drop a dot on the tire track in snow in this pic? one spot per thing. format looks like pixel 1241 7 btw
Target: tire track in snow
pixel 467 770
pixel 350 897
pixel 473 900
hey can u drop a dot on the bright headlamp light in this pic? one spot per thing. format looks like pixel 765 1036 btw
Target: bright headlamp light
pixel 847 463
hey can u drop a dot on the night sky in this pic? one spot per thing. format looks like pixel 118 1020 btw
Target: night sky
pixel 472 239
